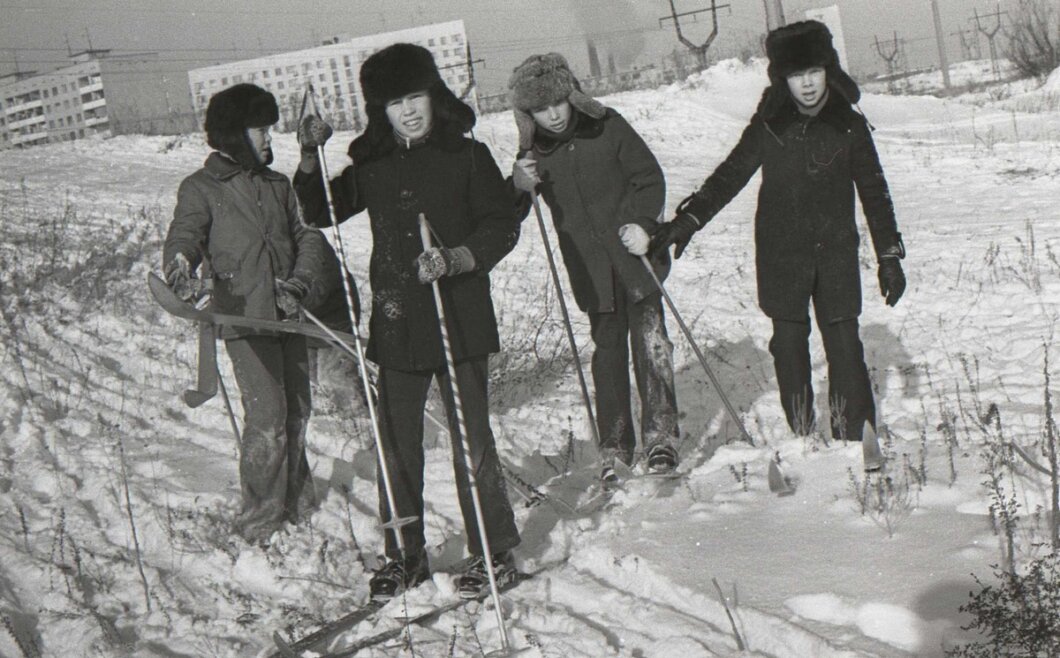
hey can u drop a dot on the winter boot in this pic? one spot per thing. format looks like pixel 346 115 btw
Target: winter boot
pixel 662 458
pixel 608 476
pixel 475 583
pixel 399 575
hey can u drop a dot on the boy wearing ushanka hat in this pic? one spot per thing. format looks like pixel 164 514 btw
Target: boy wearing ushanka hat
pixel 814 151
pixel 606 193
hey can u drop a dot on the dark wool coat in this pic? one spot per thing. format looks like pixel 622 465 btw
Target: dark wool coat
pixel 455 182
pixel 247 226
pixel 601 179
pixel 805 233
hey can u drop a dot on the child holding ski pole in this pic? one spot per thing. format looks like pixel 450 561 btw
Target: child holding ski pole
pixel 814 150
pixel 413 158
pixel 240 219
pixel 606 192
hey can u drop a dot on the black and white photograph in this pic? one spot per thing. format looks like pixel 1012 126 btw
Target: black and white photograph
pixel 556 329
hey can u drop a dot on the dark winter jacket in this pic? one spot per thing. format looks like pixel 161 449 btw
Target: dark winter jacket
pixel 805 231
pixel 455 182
pixel 602 178
pixel 247 226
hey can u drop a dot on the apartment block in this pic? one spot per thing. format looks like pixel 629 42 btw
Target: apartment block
pixel 98 93
pixel 333 69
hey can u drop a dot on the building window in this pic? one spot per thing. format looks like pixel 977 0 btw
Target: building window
pixel 334 63
pixel 55 91
pixel 346 60
pixel 443 40
pixel 279 85
pixel 224 81
pixel 457 39
pixel 322 77
pixel 265 74
pixel 237 79
pixel 45 93
pixel 430 42
pixel 279 71
pixel 320 63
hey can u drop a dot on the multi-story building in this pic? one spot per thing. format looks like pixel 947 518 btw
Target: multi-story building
pixel 334 71
pixel 98 93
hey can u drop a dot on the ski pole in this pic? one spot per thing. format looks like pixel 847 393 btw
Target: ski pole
pixel 566 318
pixel 465 442
pixel 695 348
pixel 231 413
pixel 395 523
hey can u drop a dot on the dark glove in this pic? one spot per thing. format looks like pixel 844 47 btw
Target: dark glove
pixel 892 279
pixel 289 296
pixel 178 277
pixel 678 231
pixel 313 132
pixel 524 174
pixel 437 262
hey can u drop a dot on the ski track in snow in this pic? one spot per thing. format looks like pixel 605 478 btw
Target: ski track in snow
pixel 90 386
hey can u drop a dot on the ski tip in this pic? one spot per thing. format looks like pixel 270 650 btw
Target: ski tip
pixel 285 649
pixel 778 484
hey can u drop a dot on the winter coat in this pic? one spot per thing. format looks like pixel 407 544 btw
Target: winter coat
pixel 602 178
pixel 247 226
pixel 805 233
pixel 455 183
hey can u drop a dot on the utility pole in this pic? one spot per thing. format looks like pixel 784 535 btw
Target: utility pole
pixel 774 14
pixel 990 35
pixel 969 43
pixel 941 41
pixel 890 58
pixel 700 50
pixel 469 64
pixel 88 38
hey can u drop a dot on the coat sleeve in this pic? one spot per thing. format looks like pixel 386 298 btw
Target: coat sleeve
pixel 873 191
pixel 190 226
pixel 495 226
pixel 309 247
pixel 645 195
pixel 310 191
pixel 730 176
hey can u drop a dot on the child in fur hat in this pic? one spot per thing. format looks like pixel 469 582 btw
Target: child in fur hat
pixel 606 192
pixel 414 158
pixel 814 150
pixel 241 220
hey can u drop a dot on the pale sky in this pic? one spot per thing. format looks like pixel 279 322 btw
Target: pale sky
pixel 193 33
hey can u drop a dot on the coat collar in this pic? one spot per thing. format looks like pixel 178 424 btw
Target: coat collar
pixel 836 112
pixel 222 167
pixel 586 127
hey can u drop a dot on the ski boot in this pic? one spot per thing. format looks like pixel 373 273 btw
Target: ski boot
pixel 399 575
pixel 475 583
pixel 662 459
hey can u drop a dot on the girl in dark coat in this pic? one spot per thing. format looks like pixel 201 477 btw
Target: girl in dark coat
pixel 599 179
pixel 413 158
pixel 814 150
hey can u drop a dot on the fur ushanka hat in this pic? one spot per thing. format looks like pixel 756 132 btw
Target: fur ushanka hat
pixel 799 46
pixel 231 111
pixel 543 80
pixel 396 71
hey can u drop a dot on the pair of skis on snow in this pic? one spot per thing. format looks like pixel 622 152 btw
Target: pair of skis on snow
pixel 334 628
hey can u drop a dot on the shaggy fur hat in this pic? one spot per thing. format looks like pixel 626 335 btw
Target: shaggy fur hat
pixel 396 71
pixel 231 111
pixel 803 45
pixel 543 80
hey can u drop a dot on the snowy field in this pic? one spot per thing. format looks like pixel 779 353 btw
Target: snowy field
pixel 115 498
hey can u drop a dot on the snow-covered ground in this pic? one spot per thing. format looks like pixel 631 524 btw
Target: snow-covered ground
pixel 116 498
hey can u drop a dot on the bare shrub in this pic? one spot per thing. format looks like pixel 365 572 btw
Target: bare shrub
pixel 1034 37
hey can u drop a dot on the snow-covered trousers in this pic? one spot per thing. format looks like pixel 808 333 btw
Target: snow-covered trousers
pixel 849 390
pixel 402 398
pixel 642 326
pixel 273 377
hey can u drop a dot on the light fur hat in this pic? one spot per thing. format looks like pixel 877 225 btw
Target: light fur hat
pixel 543 80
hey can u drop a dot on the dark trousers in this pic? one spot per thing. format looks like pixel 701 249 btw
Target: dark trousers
pixel 402 398
pixel 849 390
pixel 273 377
pixel 642 326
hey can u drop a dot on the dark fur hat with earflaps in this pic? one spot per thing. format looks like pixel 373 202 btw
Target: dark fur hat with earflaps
pixel 543 80
pixel 800 46
pixel 396 71
pixel 231 111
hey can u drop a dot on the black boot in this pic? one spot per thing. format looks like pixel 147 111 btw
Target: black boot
pixel 475 583
pixel 399 575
